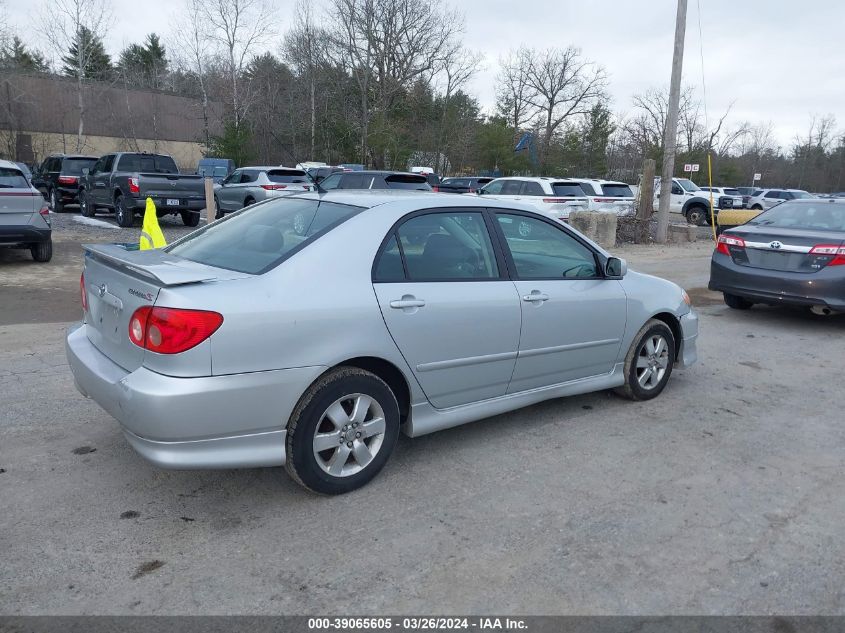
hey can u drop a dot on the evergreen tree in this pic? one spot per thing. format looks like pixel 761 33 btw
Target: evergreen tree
pixel 95 62
pixel 15 55
pixel 144 64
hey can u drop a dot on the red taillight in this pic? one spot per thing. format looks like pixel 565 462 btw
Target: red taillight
pixel 274 187
pixel 171 330
pixel 44 210
pixel 830 250
pixel 471 190
pixel 68 180
pixel 555 200
pixel 435 188
pixel 82 292
pixel 133 185
pixel 728 240
pixel 604 200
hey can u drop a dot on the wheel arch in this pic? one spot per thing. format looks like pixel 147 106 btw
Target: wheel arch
pixel 695 202
pixel 675 325
pixel 390 374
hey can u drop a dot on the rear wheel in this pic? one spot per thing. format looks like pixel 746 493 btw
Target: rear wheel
pixel 697 215
pixel 248 202
pixel 85 206
pixel 56 203
pixel 756 207
pixel 124 216
pixel 42 252
pixel 342 431
pixel 736 302
pixel 649 362
pixel 218 212
pixel 190 218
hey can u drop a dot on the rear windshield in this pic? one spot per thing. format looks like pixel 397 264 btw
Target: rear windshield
pixel 732 192
pixel 824 216
pixel 262 236
pixel 74 166
pixel 567 189
pixel 287 175
pixel 403 181
pixel 12 179
pixel 149 163
pixel 617 190
pixel 455 182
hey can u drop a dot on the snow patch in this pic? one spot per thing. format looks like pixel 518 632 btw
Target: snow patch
pixel 94 222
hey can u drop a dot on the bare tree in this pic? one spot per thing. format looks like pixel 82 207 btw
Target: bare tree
pixel 564 85
pixel 64 23
pixel 387 45
pixel 459 65
pixel 514 95
pixel 238 28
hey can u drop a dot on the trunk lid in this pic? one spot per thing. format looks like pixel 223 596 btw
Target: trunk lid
pixel 119 281
pixel 786 250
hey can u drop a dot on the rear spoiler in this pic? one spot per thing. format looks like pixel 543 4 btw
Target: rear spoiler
pixel 155 264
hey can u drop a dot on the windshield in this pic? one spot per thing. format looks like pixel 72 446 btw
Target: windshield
pixel 12 179
pixel 617 190
pixel 567 189
pixel 824 216
pixel 688 185
pixel 801 195
pixel 262 236
pixel 74 166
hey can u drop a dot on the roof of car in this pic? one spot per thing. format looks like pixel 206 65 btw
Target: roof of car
pixel 385 172
pixel 269 167
pixel 88 156
pixel 9 164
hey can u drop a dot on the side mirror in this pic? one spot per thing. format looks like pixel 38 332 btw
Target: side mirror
pixel 615 268
pixel 480 192
pixel 85 171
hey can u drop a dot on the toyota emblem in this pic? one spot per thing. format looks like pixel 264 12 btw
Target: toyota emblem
pixel 101 290
pixel 775 245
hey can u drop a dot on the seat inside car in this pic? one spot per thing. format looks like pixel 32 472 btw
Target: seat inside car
pixel 441 258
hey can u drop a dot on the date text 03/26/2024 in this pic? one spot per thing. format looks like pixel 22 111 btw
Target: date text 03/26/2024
pixel 416 624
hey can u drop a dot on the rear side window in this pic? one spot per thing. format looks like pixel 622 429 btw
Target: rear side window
pixel 150 163
pixel 407 181
pixel 74 166
pixel 12 179
pixel 532 189
pixel 617 191
pixel 287 176
pixel 588 188
pixel 260 237
pixel 567 189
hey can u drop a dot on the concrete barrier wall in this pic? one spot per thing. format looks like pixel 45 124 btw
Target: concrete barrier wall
pixel 599 227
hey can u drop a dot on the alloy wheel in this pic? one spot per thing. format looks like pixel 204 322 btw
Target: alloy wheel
pixel 652 361
pixel 349 435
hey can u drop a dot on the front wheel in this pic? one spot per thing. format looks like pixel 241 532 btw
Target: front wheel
pixel 190 218
pixel 649 362
pixel 736 302
pixel 42 252
pixel 697 216
pixel 125 217
pixel 342 432
pixel 218 212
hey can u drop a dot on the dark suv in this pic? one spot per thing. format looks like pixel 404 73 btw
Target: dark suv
pixel 375 180
pixel 58 178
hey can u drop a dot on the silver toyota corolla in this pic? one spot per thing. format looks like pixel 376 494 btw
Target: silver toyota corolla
pixel 249 343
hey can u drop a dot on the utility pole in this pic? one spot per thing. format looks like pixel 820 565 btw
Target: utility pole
pixel 670 136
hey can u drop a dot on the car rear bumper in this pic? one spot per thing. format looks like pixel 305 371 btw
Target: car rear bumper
pixel 776 287
pixel 23 234
pixel 185 204
pixel 232 421
pixel 688 354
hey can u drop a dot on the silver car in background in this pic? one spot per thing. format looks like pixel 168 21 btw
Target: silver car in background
pixel 24 214
pixel 249 343
pixel 248 185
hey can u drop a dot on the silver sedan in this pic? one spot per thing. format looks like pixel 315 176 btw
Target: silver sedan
pixel 251 342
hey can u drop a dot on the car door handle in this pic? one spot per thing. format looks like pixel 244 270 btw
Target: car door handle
pixel 536 296
pixel 407 302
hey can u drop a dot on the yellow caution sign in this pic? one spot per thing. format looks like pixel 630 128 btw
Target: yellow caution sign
pixel 151 235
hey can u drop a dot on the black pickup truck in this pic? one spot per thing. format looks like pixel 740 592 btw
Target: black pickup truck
pixel 123 181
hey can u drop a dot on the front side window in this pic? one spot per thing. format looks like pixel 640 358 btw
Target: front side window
pixel 234 178
pixel 511 187
pixel 688 184
pixel 331 182
pixel 451 246
pixel 542 251
pixel 352 181
pixel 109 162
pixel 494 187
pixel 260 237
pixel 774 194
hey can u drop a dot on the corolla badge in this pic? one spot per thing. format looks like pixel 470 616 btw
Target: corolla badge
pixel 148 296
pixel 775 245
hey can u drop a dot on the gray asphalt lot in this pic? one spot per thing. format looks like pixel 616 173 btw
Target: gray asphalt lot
pixel 722 496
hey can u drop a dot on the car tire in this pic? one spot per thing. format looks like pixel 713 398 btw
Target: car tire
pixel 697 215
pixel 124 216
pixel 85 206
pixel 42 251
pixel 218 212
pixel 649 363
pixel 756 207
pixel 339 469
pixel 56 204
pixel 190 218
pixel 248 202
pixel 737 302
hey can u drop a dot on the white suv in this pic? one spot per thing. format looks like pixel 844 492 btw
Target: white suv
pixel 554 197
pixel 724 197
pixel 767 198
pixel 607 196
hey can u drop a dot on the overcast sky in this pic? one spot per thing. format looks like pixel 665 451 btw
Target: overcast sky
pixel 776 60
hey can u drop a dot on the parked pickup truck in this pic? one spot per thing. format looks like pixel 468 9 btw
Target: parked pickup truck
pixel 122 182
